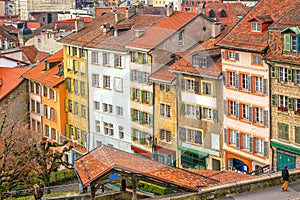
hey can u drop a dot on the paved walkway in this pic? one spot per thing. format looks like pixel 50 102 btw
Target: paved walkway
pixel 272 193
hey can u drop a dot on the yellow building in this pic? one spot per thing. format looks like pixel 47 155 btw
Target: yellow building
pixel 165 116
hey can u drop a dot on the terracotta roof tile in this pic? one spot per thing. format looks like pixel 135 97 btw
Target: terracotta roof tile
pixel 101 160
pixel 47 77
pixel 162 29
pixel 240 36
pixel 33 25
pixel 5 34
pixel 10 78
pixel 163 74
pixel 32 54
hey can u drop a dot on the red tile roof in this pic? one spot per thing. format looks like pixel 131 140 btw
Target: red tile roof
pixel 33 25
pixel 232 10
pixel 32 54
pixel 101 160
pixel 100 10
pixel 47 77
pixel 162 30
pixel 240 36
pixel 163 74
pixel 10 78
pixel 5 34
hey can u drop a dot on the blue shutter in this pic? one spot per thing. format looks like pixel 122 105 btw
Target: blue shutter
pixel 215 113
pixel 250 83
pixel 237 110
pixel 298 43
pixel 182 134
pixel 237 81
pixel 225 136
pixel 238 140
pixel 266 149
pixel 224 78
pixel 251 145
pixel 265 86
pixel 250 114
pixel 266 117
pixel 237 56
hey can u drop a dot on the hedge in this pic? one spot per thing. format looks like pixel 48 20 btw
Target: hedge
pixel 157 190
pixel 61 176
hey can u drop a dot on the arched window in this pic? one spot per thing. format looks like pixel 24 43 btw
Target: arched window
pixel 211 14
pixel 222 14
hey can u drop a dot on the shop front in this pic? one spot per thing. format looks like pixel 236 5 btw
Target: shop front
pixel 165 156
pixel 190 158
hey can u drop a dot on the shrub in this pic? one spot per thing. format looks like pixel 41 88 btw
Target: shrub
pixel 61 176
pixel 157 190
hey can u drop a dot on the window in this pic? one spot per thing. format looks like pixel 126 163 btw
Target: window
pixel 118 84
pixel 82 69
pixel 169 136
pixel 97 105
pixel 232 108
pixel 135 75
pixel 119 111
pixel 76 83
pixel 258 115
pixel 233 134
pixel 121 132
pixel 211 14
pixel 259 144
pixel 199 61
pixel 82 88
pixel 95 79
pixel 31 87
pixel 180 37
pixel 76 108
pixel 74 51
pixel 95 58
pixel 206 88
pixel 134 56
pixel 145 97
pixel 283 75
pixel 255 26
pixel 145 76
pixel 207 112
pixel 258 84
pixel 107 108
pixel 105 59
pixel 293 43
pixel 246 142
pixel 83 111
pixel 108 129
pixel 189 85
pixel 283 102
pixel 97 126
pixel 165 135
pixel 245 112
pixel 135 94
pixel 190 110
pixel 146 118
pixel 162 134
pixel 69 84
pixel 194 136
pixel 135 115
pixel 222 14
pixel 297 76
pixel 118 61
pixel 297 134
pixel 231 55
pixel 38 107
pixel 244 82
pixel 297 105
pixel 283 131
pixel 231 79
pixel 37 88
pixel 32 105
pixel 106 82
pixel 70 105
pixel 165 110
pixel 256 59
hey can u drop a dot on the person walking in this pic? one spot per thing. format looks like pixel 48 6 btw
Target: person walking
pixel 286 179
pixel 38 192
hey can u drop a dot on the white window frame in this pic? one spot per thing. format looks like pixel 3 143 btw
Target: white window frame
pixel 258 84
pixel 97 126
pixel 255 26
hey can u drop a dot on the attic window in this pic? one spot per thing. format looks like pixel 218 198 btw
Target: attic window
pixel 211 14
pixel 199 61
pixel 222 14
pixel 255 26
pixel 291 41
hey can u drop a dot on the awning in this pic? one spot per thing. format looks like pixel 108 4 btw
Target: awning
pixel 285 147
pixel 170 152
pixel 193 151
pixel 145 153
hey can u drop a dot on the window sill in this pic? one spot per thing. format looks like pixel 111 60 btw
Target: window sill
pixel 245 121
pixel 231 117
pixel 259 155
pixel 245 91
pixel 259 94
pixel 231 88
pixel 229 60
pixel 259 125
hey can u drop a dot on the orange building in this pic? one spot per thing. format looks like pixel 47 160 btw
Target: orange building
pixel 47 97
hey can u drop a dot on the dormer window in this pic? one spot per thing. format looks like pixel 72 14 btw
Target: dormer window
pixel 222 14
pixel 199 61
pixel 255 26
pixel 211 14
pixel 290 42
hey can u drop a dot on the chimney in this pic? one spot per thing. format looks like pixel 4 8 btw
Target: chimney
pixel 169 9
pixel 79 24
pixel 47 65
pixel 216 29
pixel 139 33
pixel 115 32
pixel 117 17
pixel 130 11
pixel 105 27
pixel 140 8
pixel 201 8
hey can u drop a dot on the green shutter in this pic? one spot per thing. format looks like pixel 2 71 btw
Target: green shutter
pixel 182 109
pixel 140 58
pixel 131 75
pixel 286 42
pixel 131 94
pixel 273 72
pixel 67 131
pixel 150 99
pixel 274 100
pixel 151 121
pixel 290 75
pixel 132 115
pixel 140 78
pixel 291 104
pixel 215 112
pixel 140 96
pixel 149 59
pixel 298 43
pixel 140 117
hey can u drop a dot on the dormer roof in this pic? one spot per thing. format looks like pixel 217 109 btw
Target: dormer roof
pixel 262 19
pixel 294 29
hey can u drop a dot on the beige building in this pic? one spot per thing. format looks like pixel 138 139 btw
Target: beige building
pixel 27 6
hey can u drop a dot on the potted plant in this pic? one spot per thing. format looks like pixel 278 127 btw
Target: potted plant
pixel 297 112
pixel 283 108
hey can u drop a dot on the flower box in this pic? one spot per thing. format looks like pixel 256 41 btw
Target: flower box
pixel 283 108
pixel 297 112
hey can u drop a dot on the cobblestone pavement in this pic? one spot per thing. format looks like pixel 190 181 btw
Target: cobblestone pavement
pixel 272 193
